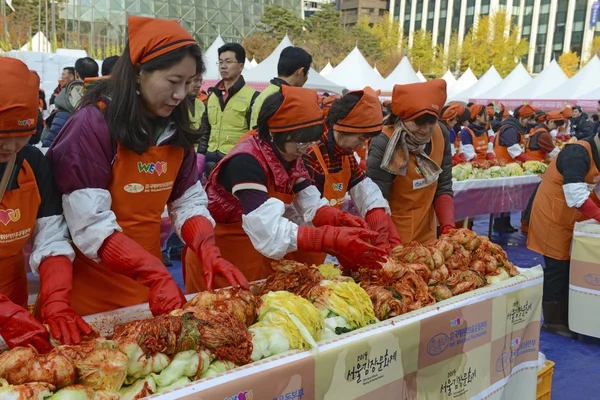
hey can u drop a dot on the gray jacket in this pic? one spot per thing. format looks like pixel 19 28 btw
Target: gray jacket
pixel 384 179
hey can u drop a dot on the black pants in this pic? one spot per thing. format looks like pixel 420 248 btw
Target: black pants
pixel 556 279
pixel 212 159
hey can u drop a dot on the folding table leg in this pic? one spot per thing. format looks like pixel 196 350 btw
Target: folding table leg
pixel 490 226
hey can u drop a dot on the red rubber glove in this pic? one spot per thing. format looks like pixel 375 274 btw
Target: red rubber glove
pixel 363 165
pixel 124 256
pixel 444 210
pixel 198 233
pixel 462 157
pixel 590 209
pixel 333 217
pixel 523 157
pixel 382 223
pixel 350 243
pixel 56 277
pixel 19 328
pixel 490 156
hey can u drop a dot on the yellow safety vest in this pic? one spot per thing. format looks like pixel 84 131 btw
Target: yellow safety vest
pixel 269 90
pixel 227 126
pixel 199 109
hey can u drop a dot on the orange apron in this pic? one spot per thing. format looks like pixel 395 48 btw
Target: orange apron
pixel 237 248
pixel 18 213
pixel 552 221
pixel 411 201
pixel 456 143
pixel 538 155
pixel 480 143
pixel 140 187
pixel 502 151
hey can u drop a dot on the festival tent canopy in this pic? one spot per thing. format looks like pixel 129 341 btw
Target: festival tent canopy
pixel 582 83
pixel 401 75
pixel 354 73
pixel 212 59
pixel 327 69
pixel 38 43
pixel 253 62
pixel 490 79
pixel 421 77
pixel 267 70
pixel 518 78
pixel 450 80
pixel 550 78
pixel 466 81
pixel 376 70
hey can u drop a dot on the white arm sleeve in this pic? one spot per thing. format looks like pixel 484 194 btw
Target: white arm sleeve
pixel 90 219
pixel 491 133
pixel 271 234
pixel 515 150
pixel 367 196
pixel 461 148
pixel 490 148
pixel 554 152
pixel 50 238
pixel 192 203
pixel 576 194
pixel 469 152
pixel 452 150
pixel 308 201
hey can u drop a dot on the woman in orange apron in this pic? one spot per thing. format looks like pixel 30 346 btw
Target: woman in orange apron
pixel 250 189
pixel 539 145
pixel 450 116
pixel 474 137
pixel 333 169
pixel 125 154
pixel 508 144
pixel 568 194
pixel 30 208
pixel 417 180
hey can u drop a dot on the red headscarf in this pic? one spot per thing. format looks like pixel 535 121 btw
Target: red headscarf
pixel 299 110
pixel 18 98
pixel 411 101
pixel 475 110
pixel 524 111
pixel 365 117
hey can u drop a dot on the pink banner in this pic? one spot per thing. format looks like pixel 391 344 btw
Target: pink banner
pixel 546 105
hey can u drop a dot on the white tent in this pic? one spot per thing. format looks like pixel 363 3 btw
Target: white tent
pixel 38 43
pixel 247 67
pixel 376 70
pixel 253 62
pixel 401 75
pixel 450 80
pixel 518 78
pixel 327 69
pixel 212 59
pixel 355 73
pixel 490 79
pixel 466 81
pixel 550 78
pixel 420 76
pixel 267 70
pixel 583 82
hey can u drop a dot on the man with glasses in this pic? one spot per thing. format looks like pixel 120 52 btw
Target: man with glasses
pixel 228 108
pixel 196 106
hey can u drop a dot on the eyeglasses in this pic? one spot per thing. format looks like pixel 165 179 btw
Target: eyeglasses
pixel 227 63
pixel 305 145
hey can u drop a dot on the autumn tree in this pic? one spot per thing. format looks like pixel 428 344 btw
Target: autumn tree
pixel 422 54
pixel 447 58
pixel 569 62
pixel 259 45
pixel 325 38
pixel 368 43
pixel 278 21
pixel 594 48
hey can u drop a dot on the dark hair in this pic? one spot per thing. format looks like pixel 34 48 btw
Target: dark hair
pixel 490 105
pixel 345 92
pixel 422 120
pixel 482 112
pixel 291 59
pixel 561 123
pixel 469 105
pixel 302 135
pixel 86 67
pixel 325 94
pixel 240 53
pixel 71 70
pixel 595 118
pixel 108 64
pixel 578 108
pixel 126 122
pixel 465 116
pixel 539 115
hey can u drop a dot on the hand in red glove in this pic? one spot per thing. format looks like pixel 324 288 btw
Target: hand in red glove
pixel 444 210
pixel 19 328
pixel 490 156
pixel 350 243
pixel 124 256
pixel 333 217
pixel 56 277
pixel 198 233
pixel 523 157
pixel 382 223
pixel 590 209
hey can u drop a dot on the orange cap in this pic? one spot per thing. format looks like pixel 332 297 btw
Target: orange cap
pixel 299 110
pixel 18 98
pixel 152 37
pixel 411 101
pixel 327 102
pixel 554 116
pixel 365 117
pixel 452 111
pixel 524 111
pixel 505 112
pixel 567 112
pixel 475 110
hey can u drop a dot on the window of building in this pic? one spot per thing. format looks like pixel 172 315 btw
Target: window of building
pixel 540 49
pixel 430 15
pixel 407 13
pixel 579 23
pixel 470 17
pixel 559 26
pixel 442 23
pixel 381 12
pixel 502 2
pixel 527 18
pixel 455 15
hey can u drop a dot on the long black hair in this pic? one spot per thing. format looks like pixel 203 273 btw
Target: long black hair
pixel 302 135
pixel 126 122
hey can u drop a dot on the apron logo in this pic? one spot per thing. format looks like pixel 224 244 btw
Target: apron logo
pixel 159 167
pixel 133 188
pixel 9 215
pixel 26 122
pixel 338 187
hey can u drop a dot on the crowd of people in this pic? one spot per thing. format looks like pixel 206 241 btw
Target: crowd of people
pixel 246 177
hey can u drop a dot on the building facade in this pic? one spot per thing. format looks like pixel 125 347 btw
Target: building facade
pixel 103 22
pixel 351 11
pixel 550 26
pixel 310 6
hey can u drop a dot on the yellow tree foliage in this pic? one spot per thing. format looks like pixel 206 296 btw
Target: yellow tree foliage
pixel 447 58
pixel 259 45
pixel 594 48
pixel 569 62
pixel 422 54
pixel 493 40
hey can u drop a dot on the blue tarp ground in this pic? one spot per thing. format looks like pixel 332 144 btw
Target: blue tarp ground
pixel 577 369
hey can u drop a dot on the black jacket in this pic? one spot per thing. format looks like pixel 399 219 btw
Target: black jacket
pixel 582 128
